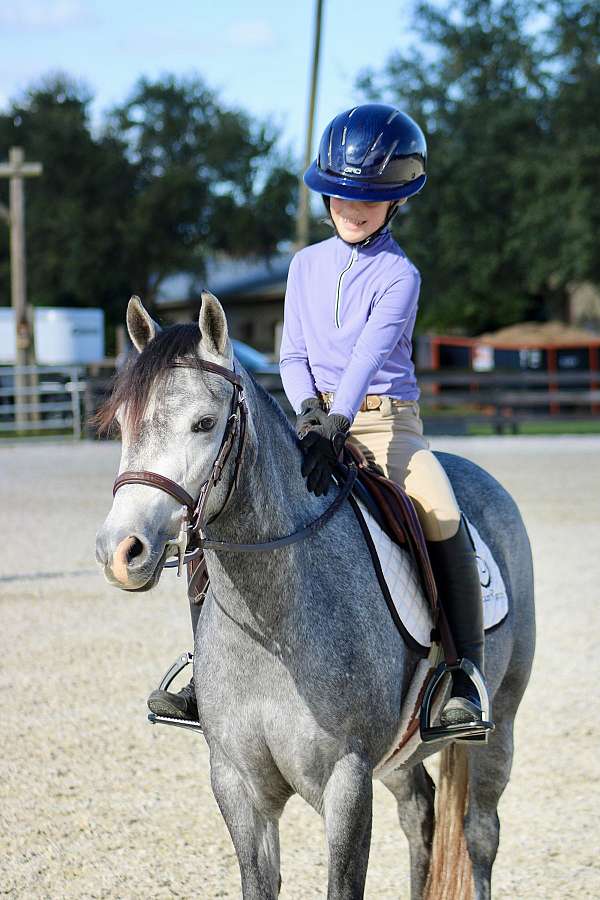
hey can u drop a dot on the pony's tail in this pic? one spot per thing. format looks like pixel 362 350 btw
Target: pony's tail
pixel 450 873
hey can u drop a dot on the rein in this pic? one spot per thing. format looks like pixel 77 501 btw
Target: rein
pixel 192 539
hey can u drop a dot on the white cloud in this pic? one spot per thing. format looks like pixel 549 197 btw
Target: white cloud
pixel 43 15
pixel 256 35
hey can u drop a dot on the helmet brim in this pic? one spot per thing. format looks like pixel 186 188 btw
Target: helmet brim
pixel 352 189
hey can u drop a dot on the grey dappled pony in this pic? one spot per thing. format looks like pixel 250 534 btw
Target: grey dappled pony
pixel 299 671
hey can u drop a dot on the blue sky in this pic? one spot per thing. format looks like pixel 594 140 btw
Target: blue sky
pixel 256 54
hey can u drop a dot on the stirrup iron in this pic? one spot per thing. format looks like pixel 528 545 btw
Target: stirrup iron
pixel 172 672
pixel 474 731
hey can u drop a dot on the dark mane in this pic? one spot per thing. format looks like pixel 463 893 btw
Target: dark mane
pixel 133 385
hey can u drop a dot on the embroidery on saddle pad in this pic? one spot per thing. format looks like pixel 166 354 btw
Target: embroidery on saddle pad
pixel 409 606
pixel 493 589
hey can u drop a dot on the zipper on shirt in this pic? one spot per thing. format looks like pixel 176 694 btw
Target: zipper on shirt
pixel 338 293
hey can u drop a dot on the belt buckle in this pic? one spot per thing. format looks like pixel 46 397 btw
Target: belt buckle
pixel 326 399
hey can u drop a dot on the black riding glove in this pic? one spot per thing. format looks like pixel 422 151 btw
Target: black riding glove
pixel 321 446
pixel 310 414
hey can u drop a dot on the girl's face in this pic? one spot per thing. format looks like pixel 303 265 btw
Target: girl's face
pixel 355 220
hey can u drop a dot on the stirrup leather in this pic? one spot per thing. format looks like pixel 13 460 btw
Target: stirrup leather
pixel 172 672
pixel 475 731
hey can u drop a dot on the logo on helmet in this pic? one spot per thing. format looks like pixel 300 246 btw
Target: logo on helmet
pixel 352 170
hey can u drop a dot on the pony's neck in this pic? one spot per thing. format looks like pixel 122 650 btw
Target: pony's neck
pixel 271 501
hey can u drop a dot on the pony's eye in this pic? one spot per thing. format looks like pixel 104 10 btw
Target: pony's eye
pixel 206 423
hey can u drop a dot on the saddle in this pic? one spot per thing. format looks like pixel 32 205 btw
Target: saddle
pixel 393 509
pixel 396 515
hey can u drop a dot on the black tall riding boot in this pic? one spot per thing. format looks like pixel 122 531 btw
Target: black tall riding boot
pixel 457 577
pixel 183 705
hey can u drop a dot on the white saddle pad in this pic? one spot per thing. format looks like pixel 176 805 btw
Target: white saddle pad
pixel 404 586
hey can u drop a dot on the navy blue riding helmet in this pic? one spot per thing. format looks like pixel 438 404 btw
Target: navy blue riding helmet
pixel 372 152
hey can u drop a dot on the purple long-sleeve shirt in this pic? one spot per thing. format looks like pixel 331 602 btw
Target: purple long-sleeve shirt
pixel 348 323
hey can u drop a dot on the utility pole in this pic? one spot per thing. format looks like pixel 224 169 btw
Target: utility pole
pixel 16 170
pixel 303 204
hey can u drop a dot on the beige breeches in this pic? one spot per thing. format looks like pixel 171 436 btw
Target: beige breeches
pixel 393 438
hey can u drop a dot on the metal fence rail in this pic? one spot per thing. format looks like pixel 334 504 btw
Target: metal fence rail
pixel 40 399
pixel 505 400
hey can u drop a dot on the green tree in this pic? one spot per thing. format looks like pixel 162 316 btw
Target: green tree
pixel 75 211
pixel 563 202
pixel 207 178
pixel 498 230
pixel 171 176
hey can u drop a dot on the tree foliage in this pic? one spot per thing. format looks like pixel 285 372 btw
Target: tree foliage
pixel 76 209
pixel 170 176
pixel 507 93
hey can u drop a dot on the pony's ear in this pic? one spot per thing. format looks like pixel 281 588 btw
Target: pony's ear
pixel 141 326
pixel 213 325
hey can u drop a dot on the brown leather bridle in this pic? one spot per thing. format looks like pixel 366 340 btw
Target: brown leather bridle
pixel 192 539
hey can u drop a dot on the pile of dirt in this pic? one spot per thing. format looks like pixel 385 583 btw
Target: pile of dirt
pixel 527 334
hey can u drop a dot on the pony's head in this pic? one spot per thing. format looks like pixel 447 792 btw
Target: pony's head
pixel 172 420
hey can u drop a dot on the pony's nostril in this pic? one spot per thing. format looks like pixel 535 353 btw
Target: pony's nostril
pixel 128 553
pixel 136 548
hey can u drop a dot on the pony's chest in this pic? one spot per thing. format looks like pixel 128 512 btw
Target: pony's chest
pixel 237 666
pixel 250 704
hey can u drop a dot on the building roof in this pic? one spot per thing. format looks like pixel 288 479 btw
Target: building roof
pixel 546 334
pixel 228 278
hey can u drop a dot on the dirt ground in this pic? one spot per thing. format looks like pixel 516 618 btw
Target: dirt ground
pixel 96 803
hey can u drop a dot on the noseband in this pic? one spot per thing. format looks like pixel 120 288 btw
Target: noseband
pixel 192 539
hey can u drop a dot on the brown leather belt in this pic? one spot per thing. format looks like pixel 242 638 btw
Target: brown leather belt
pixel 371 401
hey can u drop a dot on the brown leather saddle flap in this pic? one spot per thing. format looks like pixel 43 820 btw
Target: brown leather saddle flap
pixel 403 526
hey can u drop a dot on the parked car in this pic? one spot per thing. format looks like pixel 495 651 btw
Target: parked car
pixel 253 360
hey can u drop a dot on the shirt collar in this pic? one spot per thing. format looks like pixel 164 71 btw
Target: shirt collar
pixel 370 243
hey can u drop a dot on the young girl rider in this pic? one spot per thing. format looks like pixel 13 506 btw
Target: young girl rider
pixel 346 366
pixel 350 309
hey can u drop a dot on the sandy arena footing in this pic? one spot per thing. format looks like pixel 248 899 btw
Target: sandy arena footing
pixel 96 803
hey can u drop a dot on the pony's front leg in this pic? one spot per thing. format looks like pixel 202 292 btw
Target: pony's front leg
pixel 255 834
pixel 348 809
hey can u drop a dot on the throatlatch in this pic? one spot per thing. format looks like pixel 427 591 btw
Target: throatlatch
pixel 473 731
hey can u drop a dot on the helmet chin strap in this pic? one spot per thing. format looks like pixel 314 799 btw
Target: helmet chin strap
pixel 393 209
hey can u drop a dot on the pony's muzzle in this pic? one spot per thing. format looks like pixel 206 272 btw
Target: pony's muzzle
pixel 127 564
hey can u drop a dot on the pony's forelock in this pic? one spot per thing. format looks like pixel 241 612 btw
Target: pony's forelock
pixel 133 385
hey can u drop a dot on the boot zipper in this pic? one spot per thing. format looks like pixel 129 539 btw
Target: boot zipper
pixel 338 293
